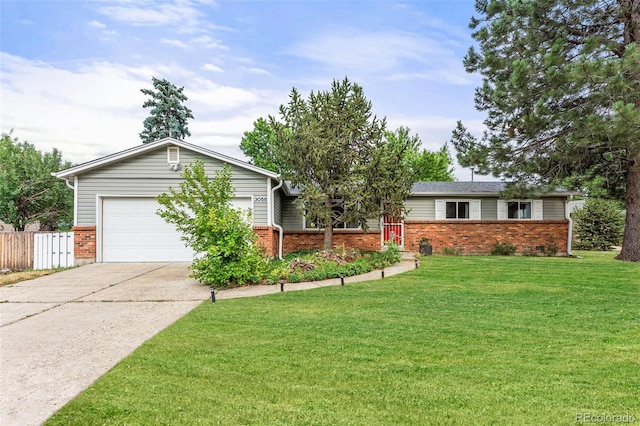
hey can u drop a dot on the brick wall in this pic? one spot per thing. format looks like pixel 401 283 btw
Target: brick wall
pixel 313 239
pixel 478 237
pixel 268 239
pixel 84 242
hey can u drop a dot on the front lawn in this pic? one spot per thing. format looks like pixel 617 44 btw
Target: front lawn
pixel 461 340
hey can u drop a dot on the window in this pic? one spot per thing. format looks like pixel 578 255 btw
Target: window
pixel 457 210
pixel 519 210
pixel 338 209
pixel 173 155
pixel 452 209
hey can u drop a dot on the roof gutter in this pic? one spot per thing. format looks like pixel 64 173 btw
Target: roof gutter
pixel 273 216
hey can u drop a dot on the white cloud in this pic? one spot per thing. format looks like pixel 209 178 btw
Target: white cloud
pixel 258 71
pixel 97 24
pixel 184 15
pixel 97 108
pixel 370 52
pixel 175 43
pixel 211 67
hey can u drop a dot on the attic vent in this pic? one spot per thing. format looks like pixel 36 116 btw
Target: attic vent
pixel 173 155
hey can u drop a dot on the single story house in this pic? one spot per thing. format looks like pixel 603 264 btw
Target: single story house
pixel 115 216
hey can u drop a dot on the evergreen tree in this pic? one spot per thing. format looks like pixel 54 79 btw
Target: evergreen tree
pixel 168 116
pixel 561 89
pixel 336 155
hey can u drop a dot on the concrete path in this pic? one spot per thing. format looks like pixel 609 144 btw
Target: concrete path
pixel 61 332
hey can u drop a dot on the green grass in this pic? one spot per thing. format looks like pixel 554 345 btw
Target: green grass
pixel 462 340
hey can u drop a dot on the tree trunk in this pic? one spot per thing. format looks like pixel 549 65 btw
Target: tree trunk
pixel 328 226
pixel 631 241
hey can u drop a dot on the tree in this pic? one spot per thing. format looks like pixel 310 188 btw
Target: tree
pixel 28 191
pixel 168 116
pixel 259 146
pixel 561 89
pixel 426 165
pixel 226 250
pixel 334 149
pixel 598 224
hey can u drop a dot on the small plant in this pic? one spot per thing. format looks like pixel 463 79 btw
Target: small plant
pixel 451 251
pixel 425 241
pixel 502 249
pixel 550 248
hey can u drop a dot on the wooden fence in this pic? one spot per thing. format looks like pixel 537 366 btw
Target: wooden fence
pixel 36 250
pixel 16 250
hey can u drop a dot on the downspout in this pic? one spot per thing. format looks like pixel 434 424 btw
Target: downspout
pixel 273 215
pixel 570 233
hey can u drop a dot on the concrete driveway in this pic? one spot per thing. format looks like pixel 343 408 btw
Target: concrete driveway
pixel 61 332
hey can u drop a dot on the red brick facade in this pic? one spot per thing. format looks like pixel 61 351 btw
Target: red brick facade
pixel 314 239
pixel 478 237
pixel 84 244
pixel 268 238
pixel 472 236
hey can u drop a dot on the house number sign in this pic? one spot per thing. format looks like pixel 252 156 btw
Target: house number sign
pixel 259 199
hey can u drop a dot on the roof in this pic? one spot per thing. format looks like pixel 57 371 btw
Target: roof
pixel 140 149
pixel 470 189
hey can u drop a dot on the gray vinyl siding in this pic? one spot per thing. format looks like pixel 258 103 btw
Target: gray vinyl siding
pixel 291 220
pixel 374 224
pixel 421 208
pixel 424 208
pixel 149 175
pixel 489 209
pixel 553 209
pixel 277 205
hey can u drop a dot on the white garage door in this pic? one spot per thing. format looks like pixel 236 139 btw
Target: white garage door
pixel 133 232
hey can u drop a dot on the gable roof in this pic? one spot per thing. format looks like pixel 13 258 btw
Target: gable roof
pixel 141 149
pixel 471 189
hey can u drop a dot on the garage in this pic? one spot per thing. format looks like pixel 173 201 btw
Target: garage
pixel 133 232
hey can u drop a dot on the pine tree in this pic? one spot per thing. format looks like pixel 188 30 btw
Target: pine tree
pixel 168 116
pixel 561 89
pixel 335 153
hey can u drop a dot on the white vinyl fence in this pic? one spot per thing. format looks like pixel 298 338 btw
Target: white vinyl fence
pixel 52 250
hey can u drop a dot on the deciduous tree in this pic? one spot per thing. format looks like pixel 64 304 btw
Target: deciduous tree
pixel 28 191
pixel 259 145
pixel 561 89
pixel 168 116
pixel 426 165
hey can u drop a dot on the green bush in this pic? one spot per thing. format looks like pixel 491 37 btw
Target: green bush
pixel 451 251
pixel 550 248
pixel 502 249
pixel 227 253
pixel 599 224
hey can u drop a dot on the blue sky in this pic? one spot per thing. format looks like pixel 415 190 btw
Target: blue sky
pixel 71 71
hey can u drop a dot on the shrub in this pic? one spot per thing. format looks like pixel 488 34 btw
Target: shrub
pixel 550 248
pixel 451 251
pixel 598 225
pixel 226 247
pixel 502 249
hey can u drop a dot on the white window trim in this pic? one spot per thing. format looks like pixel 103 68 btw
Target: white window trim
pixel 536 209
pixel 177 154
pixel 475 208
